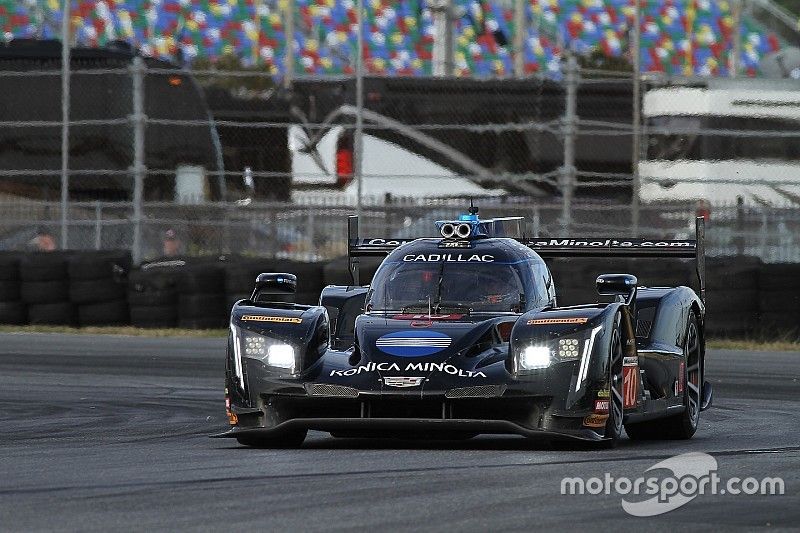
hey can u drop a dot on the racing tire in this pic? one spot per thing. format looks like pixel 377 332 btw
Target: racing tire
pixel 231 299
pixel 778 277
pixel 202 306
pixel 787 300
pixel 202 279
pixel 54 314
pixel 95 291
pixel 164 298
pixel 616 407
pixel 9 290
pixel 44 266
pixel 103 314
pixel 12 313
pixel 684 425
pixel 154 279
pixel 44 292
pixel 310 276
pixel 287 439
pixel 154 316
pixel 202 323
pixel 9 268
pixel 241 278
pixel 90 266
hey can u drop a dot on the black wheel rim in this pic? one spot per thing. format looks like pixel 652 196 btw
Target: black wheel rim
pixel 692 377
pixel 615 379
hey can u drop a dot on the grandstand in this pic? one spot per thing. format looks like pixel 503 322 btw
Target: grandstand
pixel 679 37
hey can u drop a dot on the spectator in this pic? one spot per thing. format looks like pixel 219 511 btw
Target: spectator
pixel 43 242
pixel 172 244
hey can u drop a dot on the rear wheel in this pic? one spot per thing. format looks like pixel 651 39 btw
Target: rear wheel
pixel 683 425
pixel 286 439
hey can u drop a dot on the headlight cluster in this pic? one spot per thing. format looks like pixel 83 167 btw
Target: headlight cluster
pixel 542 355
pixel 568 349
pixel 272 352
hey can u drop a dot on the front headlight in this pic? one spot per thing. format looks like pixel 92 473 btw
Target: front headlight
pixel 272 352
pixel 568 348
pixel 534 357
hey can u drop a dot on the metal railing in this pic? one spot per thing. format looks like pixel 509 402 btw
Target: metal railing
pixel 315 230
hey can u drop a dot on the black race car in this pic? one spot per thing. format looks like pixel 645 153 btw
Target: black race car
pixel 461 335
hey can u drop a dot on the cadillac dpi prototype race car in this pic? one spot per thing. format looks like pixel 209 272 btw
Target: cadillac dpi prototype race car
pixel 461 335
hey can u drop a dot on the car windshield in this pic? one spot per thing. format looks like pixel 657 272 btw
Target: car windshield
pixel 446 287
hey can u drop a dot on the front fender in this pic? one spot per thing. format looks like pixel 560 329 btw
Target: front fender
pixel 593 326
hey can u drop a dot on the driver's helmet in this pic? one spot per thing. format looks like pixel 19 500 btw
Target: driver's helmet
pixel 497 289
pixel 409 285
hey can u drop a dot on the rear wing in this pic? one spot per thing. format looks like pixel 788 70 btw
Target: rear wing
pixel 616 247
pixel 558 247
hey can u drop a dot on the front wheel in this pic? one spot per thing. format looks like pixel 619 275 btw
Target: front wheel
pixel 615 401
pixel 287 439
pixel 683 425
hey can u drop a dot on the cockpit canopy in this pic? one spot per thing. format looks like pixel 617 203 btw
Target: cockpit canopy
pixel 451 283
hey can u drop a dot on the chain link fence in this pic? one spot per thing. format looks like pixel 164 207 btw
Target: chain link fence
pixel 315 229
pixel 265 156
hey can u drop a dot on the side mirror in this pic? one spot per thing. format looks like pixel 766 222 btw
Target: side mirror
pixel 617 285
pixel 274 283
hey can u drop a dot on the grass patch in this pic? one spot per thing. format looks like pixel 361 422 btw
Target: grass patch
pixel 117 330
pixel 715 344
pixel 754 346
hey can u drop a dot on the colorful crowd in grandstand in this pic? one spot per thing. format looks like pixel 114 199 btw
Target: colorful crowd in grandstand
pixel 678 37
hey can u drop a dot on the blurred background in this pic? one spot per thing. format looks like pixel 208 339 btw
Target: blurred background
pixel 252 127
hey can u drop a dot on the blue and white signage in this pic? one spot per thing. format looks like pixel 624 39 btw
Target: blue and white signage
pixel 417 343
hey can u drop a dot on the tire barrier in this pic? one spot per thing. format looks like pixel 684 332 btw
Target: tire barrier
pixel 744 298
pixel 732 287
pixel 44 288
pixel 97 282
pixel 153 295
pixel 12 309
pixel 201 297
pixel 779 300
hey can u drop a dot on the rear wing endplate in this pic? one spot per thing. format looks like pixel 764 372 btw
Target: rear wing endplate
pixel 357 247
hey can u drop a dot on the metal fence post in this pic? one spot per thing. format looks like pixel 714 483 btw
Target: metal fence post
pixel 637 119
pixel 442 13
pixel 65 95
pixel 358 138
pixel 736 46
pixel 519 38
pixel 138 120
pixel 567 176
pixel 98 226
pixel 288 67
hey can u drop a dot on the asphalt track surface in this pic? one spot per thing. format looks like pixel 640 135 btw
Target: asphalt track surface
pixel 110 433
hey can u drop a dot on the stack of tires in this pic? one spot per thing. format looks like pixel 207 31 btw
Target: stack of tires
pixel 310 280
pixel 97 284
pixel 732 296
pixel 201 297
pixel 336 272
pixel 12 309
pixel 44 288
pixel 153 295
pixel 240 278
pixel 575 278
pixel 779 301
